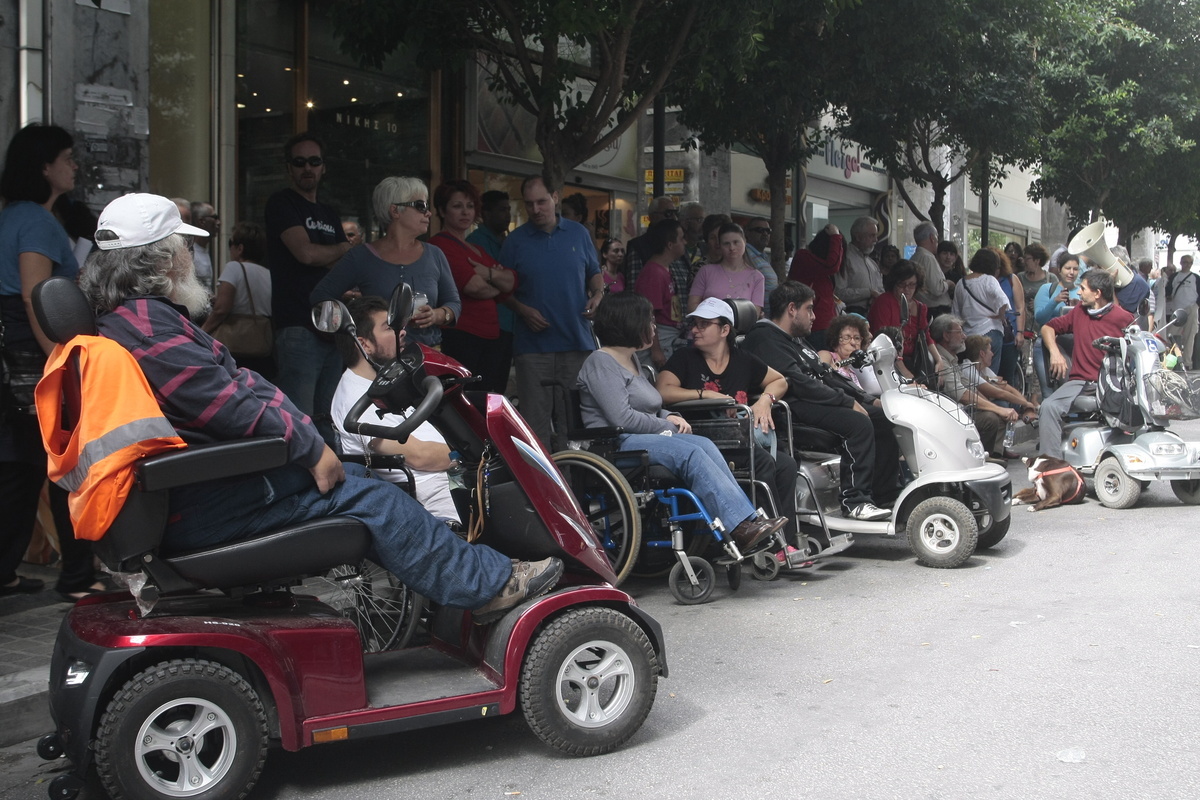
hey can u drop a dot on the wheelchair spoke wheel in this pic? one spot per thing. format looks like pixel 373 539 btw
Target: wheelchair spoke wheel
pixel 385 611
pixel 607 499
pixel 688 593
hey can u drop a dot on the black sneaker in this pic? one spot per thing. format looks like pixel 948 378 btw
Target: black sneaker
pixel 529 579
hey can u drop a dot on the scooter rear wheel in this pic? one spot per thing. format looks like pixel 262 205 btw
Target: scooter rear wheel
pixel 589 681
pixel 942 532
pixel 607 499
pixel 183 728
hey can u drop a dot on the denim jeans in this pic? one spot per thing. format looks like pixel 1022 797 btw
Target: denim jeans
pixel 699 464
pixel 307 369
pixel 407 541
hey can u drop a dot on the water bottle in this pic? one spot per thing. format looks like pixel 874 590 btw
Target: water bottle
pixel 1010 435
pixel 455 473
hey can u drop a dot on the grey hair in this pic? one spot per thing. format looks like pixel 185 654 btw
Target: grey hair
pixel 396 189
pixel 1120 252
pixel 859 225
pixel 110 277
pixel 941 323
pixel 690 204
pixel 924 231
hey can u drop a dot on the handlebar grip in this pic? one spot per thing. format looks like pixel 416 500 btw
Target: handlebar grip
pixel 399 433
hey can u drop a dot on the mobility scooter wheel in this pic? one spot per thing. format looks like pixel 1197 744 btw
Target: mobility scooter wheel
pixel 942 532
pixel 589 681
pixel 1187 491
pixel 607 499
pixel 1114 488
pixel 179 729
pixel 385 611
pixel 65 787
pixel 49 747
pixel 764 566
pixel 994 534
pixel 684 590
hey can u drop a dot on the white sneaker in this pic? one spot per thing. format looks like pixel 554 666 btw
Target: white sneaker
pixel 868 512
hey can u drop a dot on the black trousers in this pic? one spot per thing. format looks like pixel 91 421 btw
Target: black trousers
pixel 780 474
pixel 490 359
pixel 870 470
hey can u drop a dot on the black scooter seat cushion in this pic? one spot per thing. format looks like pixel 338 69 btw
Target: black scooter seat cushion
pixel 815 439
pixel 310 548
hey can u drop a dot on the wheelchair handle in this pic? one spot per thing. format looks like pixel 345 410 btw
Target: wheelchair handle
pixel 400 433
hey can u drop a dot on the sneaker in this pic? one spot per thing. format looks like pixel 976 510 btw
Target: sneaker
pixel 528 580
pixel 782 558
pixel 868 512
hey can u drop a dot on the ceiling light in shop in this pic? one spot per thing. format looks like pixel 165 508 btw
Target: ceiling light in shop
pixel 268 111
pixel 345 83
pixel 240 75
pixel 309 104
pixel 353 99
pixel 241 105
pixel 287 69
pixel 399 94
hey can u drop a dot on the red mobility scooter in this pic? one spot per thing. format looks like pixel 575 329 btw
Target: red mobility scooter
pixel 177 688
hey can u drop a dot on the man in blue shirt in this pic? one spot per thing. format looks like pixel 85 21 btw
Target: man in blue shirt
pixel 560 286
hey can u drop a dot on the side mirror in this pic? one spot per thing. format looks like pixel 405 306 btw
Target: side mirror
pixel 400 308
pixel 1179 317
pixel 332 316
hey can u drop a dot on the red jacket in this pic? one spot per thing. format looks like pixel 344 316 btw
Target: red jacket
pixel 818 275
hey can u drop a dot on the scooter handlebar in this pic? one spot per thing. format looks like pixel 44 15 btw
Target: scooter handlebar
pixel 1109 344
pixel 399 433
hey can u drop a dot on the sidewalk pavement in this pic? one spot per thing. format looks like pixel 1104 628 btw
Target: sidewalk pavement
pixel 28 625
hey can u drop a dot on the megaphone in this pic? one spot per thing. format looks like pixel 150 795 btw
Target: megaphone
pixel 1090 242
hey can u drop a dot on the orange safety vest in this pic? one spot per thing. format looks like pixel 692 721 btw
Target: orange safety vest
pixel 119 423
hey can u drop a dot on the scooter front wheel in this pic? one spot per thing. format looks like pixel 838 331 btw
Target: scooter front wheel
pixel 183 728
pixel 1114 487
pixel 589 681
pixel 942 532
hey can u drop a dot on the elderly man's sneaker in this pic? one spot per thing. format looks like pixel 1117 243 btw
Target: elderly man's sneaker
pixel 529 579
pixel 868 512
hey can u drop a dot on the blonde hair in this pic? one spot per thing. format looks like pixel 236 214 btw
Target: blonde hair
pixel 396 189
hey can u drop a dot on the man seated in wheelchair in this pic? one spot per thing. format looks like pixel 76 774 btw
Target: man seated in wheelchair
pixel 426 452
pixel 714 368
pixel 142 284
pixel 613 393
pixel 821 398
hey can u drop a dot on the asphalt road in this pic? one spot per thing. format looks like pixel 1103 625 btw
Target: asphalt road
pixel 1063 664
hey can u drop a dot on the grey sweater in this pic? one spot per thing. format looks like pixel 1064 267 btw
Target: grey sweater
pixel 611 396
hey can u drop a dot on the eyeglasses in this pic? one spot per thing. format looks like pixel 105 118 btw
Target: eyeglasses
pixel 420 206
pixel 299 161
pixel 700 324
pixel 758 230
pixel 850 338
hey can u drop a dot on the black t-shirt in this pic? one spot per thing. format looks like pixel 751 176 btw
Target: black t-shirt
pixel 742 378
pixel 291 281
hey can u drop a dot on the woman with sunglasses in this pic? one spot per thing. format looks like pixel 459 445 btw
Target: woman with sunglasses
pixel 713 368
pixel 481 281
pixel 375 268
pixel 613 393
pixel 734 276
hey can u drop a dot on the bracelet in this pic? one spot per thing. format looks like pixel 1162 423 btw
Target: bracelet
pixel 773 400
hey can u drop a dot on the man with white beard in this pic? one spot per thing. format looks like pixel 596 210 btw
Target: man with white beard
pixel 142 283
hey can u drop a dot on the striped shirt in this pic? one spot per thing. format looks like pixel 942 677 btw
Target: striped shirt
pixel 199 387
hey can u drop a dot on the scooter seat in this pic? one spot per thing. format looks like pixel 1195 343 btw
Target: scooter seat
pixel 1085 404
pixel 815 439
pixel 310 548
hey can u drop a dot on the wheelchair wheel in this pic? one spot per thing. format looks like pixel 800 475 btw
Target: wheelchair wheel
pixel 607 500
pixel 683 589
pixel 385 611
pixel 655 562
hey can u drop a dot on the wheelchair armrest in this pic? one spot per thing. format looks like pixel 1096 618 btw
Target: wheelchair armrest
pixel 208 462
pixel 707 404
pixel 592 434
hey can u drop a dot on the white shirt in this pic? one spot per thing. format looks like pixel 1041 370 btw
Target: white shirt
pixel 975 301
pixel 433 488
pixel 259 281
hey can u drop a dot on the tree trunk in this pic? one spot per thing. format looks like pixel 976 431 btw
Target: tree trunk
pixel 937 210
pixel 777 186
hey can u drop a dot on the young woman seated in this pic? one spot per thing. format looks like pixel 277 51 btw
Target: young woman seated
pixel 613 393
pixel 714 369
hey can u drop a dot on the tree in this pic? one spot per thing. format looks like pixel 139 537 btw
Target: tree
pixel 934 102
pixel 1124 92
pixel 585 71
pixel 769 98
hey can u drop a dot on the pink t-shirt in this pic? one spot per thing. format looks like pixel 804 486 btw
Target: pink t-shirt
pixel 654 283
pixel 713 280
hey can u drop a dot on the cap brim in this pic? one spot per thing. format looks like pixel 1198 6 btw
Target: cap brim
pixel 191 230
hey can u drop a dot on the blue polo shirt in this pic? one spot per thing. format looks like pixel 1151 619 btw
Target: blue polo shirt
pixel 554 269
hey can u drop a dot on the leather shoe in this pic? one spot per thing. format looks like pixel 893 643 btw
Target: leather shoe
pixel 753 531
pixel 23 585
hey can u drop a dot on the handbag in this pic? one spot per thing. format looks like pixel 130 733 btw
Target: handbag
pixel 246 335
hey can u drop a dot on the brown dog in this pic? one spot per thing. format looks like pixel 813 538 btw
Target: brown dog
pixel 1055 482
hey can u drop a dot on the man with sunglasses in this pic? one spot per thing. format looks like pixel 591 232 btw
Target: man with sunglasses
pixel 304 239
pixel 758 237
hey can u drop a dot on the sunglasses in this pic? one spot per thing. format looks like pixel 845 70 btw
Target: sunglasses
pixel 420 206
pixel 700 324
pixel 299 161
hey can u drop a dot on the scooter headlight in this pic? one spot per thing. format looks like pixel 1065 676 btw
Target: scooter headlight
pixel 77 672
pixel 975 449
pixel 1168 449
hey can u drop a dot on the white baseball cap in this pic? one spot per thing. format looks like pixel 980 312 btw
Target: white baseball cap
pixel 137 219
pixel 712 308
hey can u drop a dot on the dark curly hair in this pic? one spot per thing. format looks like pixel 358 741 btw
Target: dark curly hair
pixel 840 323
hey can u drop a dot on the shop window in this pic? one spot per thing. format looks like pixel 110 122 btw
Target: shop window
pixel 181 105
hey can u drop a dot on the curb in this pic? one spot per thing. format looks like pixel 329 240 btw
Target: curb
pixel 25 705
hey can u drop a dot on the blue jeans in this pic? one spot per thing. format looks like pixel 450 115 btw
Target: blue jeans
pixel 307 369
pixel 407 541
pixel 699 464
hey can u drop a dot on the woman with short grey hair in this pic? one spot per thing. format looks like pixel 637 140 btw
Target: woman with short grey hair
pixel 401 205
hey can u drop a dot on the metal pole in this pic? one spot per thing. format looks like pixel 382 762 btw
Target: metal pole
pixel 660 145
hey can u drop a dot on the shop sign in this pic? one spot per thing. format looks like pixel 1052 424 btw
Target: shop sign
pixel 368 123
pixel 670 175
